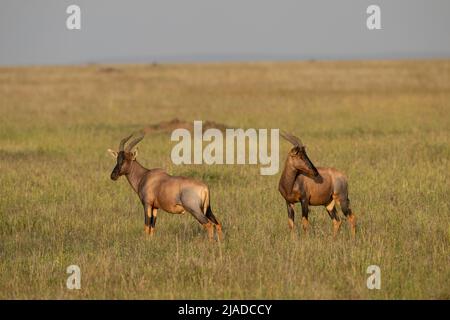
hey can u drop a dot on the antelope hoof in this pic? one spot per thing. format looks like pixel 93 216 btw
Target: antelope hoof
pixel 305 225
pixel 352 221
pixel 219 232
pixel 147 229
pixel 336 226
pixel 210 229
pixel 291 224
pixel 293 235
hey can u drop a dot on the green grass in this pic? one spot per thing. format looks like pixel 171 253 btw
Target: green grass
pixel 385 124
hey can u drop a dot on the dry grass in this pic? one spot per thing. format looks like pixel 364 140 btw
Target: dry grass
pixel 386 124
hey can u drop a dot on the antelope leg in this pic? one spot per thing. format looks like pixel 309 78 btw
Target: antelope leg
pixel 154 212
pixel 291 215
pixel 305 212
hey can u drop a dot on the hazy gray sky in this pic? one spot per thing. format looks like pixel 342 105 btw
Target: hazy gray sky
pixel 34 32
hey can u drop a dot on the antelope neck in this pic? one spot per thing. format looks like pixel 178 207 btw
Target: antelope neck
pixel 288 177
pixel 134 177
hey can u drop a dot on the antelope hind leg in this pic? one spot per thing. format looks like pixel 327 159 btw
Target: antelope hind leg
pixel 332 212
pixel 345 206
pixel 352 222
pixel 217 225
pixel 204 221
pixel 336 226
pixel 219 232
pixel 210 230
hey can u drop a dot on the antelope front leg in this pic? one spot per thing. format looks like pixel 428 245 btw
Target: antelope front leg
pixel 154 212
pixel 305 211
pixel 146 220
pixel 291 215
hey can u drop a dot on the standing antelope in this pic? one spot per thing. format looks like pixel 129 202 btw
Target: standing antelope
pixel 302 182
pixel 158 190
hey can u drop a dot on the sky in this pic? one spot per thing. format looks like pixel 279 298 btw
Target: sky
pixel 144 31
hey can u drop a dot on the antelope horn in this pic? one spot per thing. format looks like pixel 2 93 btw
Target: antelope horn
pixel 135 142
pixel 292 139
pixel 123 141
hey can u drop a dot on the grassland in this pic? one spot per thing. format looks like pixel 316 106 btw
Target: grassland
pixel 386 124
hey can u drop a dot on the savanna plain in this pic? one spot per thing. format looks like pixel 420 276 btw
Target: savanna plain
pixel 386 124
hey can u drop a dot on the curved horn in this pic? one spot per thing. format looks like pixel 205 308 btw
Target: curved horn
pixel 135 142
pixel 292 139
pixel 123 141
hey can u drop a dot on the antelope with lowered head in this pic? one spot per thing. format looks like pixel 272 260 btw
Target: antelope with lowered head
pixel 158 190
pixel 302 182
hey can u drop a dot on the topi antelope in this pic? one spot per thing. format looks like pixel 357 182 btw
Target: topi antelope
pixel 158 190
pixel 302 182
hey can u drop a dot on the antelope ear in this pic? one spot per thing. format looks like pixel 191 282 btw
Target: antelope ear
pixel 135 153
pixel 113 153
pixel 294 151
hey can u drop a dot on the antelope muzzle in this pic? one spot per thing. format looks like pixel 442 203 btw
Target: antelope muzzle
pixel 115 173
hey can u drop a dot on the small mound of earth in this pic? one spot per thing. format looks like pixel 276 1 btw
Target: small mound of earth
pixel 169 126
pixel 108 70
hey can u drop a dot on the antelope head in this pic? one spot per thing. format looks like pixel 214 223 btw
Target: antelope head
pixel 298 158
pixel 125 156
